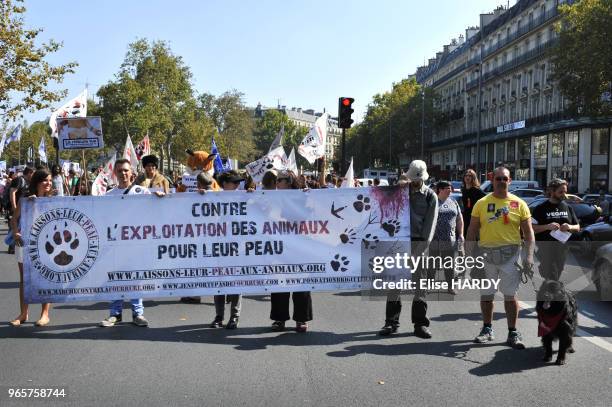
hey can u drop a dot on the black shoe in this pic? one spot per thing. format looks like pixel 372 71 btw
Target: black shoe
pixel 278 326
pixel 232 323
pixel 387 330
pixel 422 331
pixel 217 323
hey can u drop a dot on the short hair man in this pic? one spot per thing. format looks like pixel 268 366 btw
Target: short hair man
pixel 123 173
pixel 500 218
pixel 553 215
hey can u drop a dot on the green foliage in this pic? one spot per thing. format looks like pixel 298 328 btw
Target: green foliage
pixel 583 58
pixel 234 122
pixel 269 125
pixel 392 126
pixel 24 73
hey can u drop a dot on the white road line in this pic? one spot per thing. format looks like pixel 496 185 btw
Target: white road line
pixel 595 340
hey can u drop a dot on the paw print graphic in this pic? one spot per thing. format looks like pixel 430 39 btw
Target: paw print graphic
pixel 62 245
pixel 362 203
pixel 348 236
pixel 370 241
pixel 391 227
pixel 339 263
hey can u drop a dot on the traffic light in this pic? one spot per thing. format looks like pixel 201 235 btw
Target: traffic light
pixel 345 110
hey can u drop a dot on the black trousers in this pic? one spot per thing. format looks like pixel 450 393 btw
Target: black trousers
pixel 302 306
pixel 442 250
pixel 552 257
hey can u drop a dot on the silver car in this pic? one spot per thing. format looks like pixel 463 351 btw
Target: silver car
pixel 602 272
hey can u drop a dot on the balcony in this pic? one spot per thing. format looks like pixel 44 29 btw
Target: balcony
pixel 508 66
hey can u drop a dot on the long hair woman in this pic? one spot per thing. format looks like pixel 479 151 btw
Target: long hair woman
pixel 40 186
pixel 302 300
pixel 470 194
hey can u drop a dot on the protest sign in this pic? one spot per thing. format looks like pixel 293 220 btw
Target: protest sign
pixel 102 248
pixel 80 133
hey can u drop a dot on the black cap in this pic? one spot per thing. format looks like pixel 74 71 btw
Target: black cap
pixel 150 159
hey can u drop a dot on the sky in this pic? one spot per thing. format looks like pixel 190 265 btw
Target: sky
pixel 293 53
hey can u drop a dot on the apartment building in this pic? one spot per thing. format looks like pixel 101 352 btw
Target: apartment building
pixel 522 120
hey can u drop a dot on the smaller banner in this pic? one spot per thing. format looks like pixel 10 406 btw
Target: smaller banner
pixel 80 133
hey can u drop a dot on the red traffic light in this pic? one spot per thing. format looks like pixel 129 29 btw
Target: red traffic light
pixel 346 102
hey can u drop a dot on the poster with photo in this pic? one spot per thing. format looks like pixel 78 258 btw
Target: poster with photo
pixel 79 133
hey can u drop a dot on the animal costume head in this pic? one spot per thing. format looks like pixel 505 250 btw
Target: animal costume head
pixel 200 161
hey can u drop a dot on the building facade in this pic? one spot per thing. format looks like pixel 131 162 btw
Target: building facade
pixel 522 121
pixel 306 119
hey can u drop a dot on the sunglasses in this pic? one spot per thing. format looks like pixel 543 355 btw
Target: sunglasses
pixel 505 179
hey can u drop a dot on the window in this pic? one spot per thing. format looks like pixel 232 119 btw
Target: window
pixel 524 149
pixel 572 143
pixel 500 153
pixel 510 151
pixel 557 145
pixel 540 147
pixel 600 141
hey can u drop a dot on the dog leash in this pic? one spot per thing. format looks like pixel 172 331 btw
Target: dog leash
pixel 526 274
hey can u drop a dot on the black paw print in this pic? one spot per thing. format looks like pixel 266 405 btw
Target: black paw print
pixel 339 263
pixel 62 243
pixel 369 241
pixel 391 227
pixel 362 203
pixel 348 236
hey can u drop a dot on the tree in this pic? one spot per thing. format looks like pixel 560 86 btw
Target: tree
pixel 268 126
pixel 391 126
pixel 582 59
pixel 234 123
pixel 24 73
pixel 150 95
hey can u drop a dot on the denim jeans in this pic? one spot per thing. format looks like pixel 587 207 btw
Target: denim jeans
pixel 116 307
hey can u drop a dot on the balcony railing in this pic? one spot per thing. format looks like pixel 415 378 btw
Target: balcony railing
pixel 525 58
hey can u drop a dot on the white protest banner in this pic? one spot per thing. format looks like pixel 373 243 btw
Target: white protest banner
pixel 75 107
pixel 313 145
pixel 349 178
pixel 189 180
pixel 80 133
pixel 102 248
pixel 276 159
pixel 291 163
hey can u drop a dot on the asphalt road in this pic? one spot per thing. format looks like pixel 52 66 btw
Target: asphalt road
pixel 340 362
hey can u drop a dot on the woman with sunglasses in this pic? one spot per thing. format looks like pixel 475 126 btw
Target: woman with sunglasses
pixel 40 186
pixel 302 300
pixel 470 194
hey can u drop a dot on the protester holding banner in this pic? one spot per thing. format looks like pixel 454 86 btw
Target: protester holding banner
pixel 151 177
pixel 205 183
pixel 229 181
pixel 302 300
pixel 123 173
pixel 423 219
pixel 40 186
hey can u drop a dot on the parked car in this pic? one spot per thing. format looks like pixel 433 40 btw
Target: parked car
pixel 602 272
pixel 457 197
pixel 456 186
pixel 594 198
pixel 527 195
pixel 487 186
pixel 596 235
pixel 587 214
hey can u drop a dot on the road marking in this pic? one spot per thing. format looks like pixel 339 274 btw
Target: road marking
pixel 595 340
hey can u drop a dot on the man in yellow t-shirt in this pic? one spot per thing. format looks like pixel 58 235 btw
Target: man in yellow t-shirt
pixel 500 217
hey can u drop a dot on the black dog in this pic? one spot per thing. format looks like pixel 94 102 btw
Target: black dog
pixel 557 318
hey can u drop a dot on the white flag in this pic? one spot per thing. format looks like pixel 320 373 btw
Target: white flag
pixel 105 178
pixel 130 154
pixel 42 150
pixel 291 163
pixel 76 107
pixel 313 145
pixel 275 159
pixel 349 178
pixel 278 140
